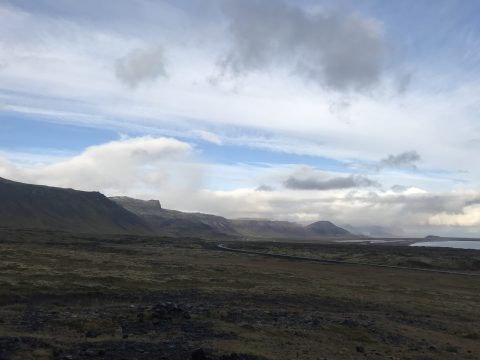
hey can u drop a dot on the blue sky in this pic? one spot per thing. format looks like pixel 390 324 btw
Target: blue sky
pixel 20 132
pixel 360 112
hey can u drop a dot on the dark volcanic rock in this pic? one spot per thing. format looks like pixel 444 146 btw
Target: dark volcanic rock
pixel 198 354
pixel 92 334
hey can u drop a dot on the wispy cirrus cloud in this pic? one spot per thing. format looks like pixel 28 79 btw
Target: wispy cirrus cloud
pixel 209 136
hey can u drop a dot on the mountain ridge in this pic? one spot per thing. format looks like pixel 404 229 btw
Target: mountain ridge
pixel 45 207
pixel 157 218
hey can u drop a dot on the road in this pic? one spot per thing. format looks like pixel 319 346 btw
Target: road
pixel 328 261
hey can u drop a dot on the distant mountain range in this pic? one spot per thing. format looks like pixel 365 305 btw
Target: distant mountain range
pixel 170 222
pixel 44 207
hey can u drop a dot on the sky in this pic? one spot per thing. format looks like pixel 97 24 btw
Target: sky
pixel 364 113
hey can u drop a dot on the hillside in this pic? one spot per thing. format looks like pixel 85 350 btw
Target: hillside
pixel 325 228
pixel 177 223
pixel 44 207
pixel 269 229
pixel 287 230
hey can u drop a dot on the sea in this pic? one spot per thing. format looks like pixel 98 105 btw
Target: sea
pixel 458 244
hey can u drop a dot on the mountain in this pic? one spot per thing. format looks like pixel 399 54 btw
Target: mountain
pixel 268 228
pixel 43 207
pixel 177 223
pixel 326 228
pixel 286 230
pixel 372 230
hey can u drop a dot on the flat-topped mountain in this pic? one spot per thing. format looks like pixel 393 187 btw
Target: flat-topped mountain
pixel 177 223
pixel 44 207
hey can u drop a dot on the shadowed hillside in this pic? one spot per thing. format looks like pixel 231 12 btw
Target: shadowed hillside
pixel 269 229
pixel 326 228
pixel 287 229
pixel 44 207
pixel 177 223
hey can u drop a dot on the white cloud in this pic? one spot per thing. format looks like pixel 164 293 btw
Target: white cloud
pixel 469 217
pixel 209 136
pixel 144 166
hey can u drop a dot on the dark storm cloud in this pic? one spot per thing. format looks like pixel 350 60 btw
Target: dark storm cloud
pixel 338 50
pixel 141 66
pixel 314 183
pixel 406 159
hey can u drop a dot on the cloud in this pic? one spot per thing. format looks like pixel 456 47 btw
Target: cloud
pixel 133 166
pixel 208 136
pixel 57 72
pixel 323 183
pixel 168 170
pixel 130 16
pixel 340 51
pixel 404 82
pixel 141 65
pixel 398 188
pixel 469 216
pixel 406 159
pixel 264 187
pixel 414 214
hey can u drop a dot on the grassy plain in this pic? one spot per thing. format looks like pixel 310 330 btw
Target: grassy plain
pixel 67 296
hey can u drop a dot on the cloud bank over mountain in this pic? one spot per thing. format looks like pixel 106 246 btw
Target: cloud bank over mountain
pixel 169 169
